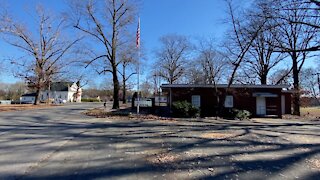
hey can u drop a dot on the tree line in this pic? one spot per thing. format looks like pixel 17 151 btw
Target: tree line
pixel 267 43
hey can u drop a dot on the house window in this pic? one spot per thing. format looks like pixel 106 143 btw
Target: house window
pixel 195 100
pixel 228 103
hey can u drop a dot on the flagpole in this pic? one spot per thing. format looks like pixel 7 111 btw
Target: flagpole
pixel 138 47
pixel 138 104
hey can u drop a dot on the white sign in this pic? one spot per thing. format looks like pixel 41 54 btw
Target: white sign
pixel 143 103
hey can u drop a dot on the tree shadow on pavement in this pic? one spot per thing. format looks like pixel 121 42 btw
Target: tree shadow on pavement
pixel 178 149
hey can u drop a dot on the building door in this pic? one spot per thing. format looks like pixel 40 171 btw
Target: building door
pixel 261 106
pixel 283 104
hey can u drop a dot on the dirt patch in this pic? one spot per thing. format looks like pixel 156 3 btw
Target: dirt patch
pixel 21 107
pixel 153 117
pixel 163 158
pixel 314 163
pixel 217 135
pixel 125 113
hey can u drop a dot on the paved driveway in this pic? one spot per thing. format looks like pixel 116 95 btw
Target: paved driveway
pixel 60 143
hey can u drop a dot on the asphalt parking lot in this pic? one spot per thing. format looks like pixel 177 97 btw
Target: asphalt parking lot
pixel 61 143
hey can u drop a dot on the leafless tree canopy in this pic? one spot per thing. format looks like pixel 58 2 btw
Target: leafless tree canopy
pixel 209 65
pixel 281 76
pixel 44 46
pixel 310 81
pixel 172 57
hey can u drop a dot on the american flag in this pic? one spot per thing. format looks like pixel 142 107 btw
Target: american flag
pixel 138 35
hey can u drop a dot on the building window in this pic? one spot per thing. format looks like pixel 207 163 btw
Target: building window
pixel 228 103
pixel 195 100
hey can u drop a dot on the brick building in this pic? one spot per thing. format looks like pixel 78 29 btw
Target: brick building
pixel 260 100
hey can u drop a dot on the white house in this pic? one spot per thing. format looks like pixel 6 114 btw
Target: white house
pixel 28 98
pixel 62 92
pixel 59 92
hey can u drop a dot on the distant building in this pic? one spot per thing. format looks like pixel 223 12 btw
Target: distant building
pixel 60 92
pixel 28 98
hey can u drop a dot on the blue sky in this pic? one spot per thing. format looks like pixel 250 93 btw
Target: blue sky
pixel 193 18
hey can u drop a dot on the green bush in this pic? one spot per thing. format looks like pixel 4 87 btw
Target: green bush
pixel 89 100
pixel 184 109
pixel 241 114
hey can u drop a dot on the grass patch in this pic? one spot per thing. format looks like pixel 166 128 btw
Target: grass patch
pixel 312 111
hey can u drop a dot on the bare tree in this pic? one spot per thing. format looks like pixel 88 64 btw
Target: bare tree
pixel 156 81
pixel 314 10
pixel 127 70
pixel 262 57
pixel 310 83
pixel 241 38
pixel 146 89
pixel 281 76
pixel 45 49
pixel 295 39
pixel 172 57
pixel 106 22
pixel 209 66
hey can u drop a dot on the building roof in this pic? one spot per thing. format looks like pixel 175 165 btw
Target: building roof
pixel 224 86
pixel 60 86
pixel 29 95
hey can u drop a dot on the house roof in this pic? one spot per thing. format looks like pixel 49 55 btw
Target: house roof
pixel 224 86
pixel 29 95
pixel 60 86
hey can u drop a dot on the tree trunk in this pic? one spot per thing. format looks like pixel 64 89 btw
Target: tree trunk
pixel 296 88
pixel 263 78
pixel 115 90
pixel 124 94
pixel 36 101
pixel 124 88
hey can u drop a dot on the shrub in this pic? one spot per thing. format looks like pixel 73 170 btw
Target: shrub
pixel 184 109
pixel 241 114
pixel 89 100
